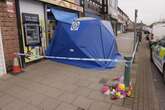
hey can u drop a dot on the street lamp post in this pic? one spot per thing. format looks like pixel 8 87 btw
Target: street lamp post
pixel 127 72
pixel 135 35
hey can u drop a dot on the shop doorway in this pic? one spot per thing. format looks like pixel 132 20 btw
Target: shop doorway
pixel 51 25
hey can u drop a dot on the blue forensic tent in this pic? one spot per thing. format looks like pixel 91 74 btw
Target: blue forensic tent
pixel 84 38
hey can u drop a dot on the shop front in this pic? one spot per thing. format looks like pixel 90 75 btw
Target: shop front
pixel 38 24
pixel 120 28
pixel 114 25
pixel 92 9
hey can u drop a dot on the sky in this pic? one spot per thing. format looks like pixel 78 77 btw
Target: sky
pixel 149 11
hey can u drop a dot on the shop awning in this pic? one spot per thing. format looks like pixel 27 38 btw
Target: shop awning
pixel 64 16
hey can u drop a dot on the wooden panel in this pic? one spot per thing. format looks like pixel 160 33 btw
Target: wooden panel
pixel 65 4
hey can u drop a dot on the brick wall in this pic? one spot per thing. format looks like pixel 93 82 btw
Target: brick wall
pixel 8 26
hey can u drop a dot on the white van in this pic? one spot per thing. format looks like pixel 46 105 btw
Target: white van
pixel 158 30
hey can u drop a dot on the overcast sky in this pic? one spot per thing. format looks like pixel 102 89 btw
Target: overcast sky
pixel 148 10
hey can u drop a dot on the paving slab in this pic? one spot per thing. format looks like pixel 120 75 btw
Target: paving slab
pixel 1 93
pixel 114 107
pixel 69 88
pixel 5 100
pixel 83 83
pixel 83 91
pixel 97 95
pixel 95 86
pixel 65 106
pixel 14 105
pixel 36 99
pixel 67 97
pixel 49 104
pixel 30 107
pixel 82 102
pixel 53 92
pixel 100 106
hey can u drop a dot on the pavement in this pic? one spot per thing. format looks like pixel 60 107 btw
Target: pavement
pixel 145 96
pixel 48 85
pixel 125 43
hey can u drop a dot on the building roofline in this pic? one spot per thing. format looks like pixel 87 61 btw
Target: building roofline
pixel 122 11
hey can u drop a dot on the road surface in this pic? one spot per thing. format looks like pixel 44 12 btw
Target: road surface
pixel 159 86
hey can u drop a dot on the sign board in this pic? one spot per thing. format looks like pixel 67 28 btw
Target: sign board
pixel 2 59
pixel 10 6
pixel 31 29
pixel 71 4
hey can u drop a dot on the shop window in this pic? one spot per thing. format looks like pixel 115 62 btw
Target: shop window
pixel 32 34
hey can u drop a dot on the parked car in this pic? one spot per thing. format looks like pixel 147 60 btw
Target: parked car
pixel 158 55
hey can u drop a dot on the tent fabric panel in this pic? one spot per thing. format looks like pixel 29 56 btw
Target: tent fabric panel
pixel 109 45
pixel 90 44
pixel 79 38
pixel 64 16
pixel 108 26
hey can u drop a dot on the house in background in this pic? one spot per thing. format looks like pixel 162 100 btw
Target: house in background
pixel 113 13
pixel 92 8
pixel 130 26
pixel 123 21
pixel 107 10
